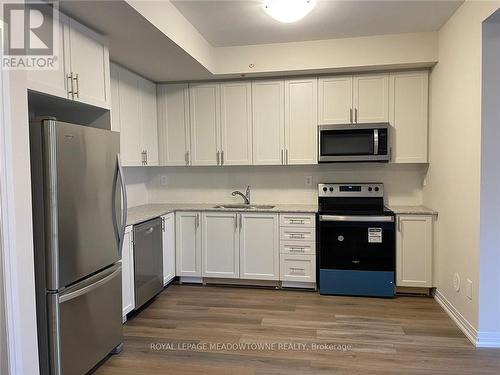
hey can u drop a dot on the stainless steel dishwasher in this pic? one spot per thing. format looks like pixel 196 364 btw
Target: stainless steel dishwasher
pixel 148 261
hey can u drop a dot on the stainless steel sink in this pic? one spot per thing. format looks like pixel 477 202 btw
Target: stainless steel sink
pixel 246 206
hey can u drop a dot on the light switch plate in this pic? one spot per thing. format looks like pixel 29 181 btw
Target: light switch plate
pixel 468 291
pixel 309 180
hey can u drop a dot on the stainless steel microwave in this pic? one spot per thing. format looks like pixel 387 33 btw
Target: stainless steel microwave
pixel 353 142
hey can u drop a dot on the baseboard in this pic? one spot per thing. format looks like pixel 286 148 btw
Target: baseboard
pixel 488 340
pixel 465 326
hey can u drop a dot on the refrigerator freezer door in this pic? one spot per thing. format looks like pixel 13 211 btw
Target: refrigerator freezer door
pixel 85 322
pixel 83 200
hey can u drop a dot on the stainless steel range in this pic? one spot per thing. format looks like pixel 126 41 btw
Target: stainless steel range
pixel 356 240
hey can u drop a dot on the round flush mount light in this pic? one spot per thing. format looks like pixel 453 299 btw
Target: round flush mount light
pixel 288 11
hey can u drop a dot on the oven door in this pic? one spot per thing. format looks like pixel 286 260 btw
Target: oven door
pixel 357 242
pixel 356 255
pixel 341 143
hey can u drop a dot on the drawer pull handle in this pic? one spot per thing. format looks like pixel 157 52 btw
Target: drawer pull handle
pixel 296 235
pixel 297 270
pixel 296 221
pixel 297 249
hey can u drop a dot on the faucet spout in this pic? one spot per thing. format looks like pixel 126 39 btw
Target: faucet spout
pixel 246 196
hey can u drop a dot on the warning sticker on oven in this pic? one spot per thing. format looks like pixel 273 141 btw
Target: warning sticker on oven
pixel 374 235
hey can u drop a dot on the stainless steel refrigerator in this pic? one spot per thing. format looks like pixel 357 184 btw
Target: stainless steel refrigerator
pixel 78 195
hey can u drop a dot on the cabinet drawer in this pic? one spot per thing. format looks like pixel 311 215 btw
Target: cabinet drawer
pixel 299 220
pixel 298 248
pixel 298 268
pixel 297 234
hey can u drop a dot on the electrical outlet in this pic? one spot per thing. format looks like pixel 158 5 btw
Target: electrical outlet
pixel 468 291
pixel 163 180
pixel 309 180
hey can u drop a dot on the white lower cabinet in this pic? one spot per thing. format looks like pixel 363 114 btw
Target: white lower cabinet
pixel 188 243
pixel 259 246
pixel 220 248
pixel 168 242
pixel 414 251
pixel 301 268
pixel 128 299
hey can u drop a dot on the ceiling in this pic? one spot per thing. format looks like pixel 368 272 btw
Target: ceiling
pixel 134 42
pixel 244 22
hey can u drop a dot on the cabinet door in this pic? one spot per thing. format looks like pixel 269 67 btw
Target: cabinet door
pixel 130 125
pixel 115 98
pixel 204 109
pixel 301 121
pixel 168 227
pixel 187 244
pixel 173 124
pixel 268 114
pixel 149 123
pixel 259 246
pixel 236 123
pixel 53 82
pixel 414 251
pixel 128 297
pixel 371 98
pixel 408 115
pixel 219 247
pixel 90 60
pixel 335 100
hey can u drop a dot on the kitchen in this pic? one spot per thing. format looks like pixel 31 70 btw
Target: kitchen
pixel 256 199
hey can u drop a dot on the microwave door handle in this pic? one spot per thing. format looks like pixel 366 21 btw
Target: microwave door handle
pixel 375 141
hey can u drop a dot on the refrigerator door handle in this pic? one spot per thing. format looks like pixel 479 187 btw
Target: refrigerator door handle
pixel 79 292
pixel 124 206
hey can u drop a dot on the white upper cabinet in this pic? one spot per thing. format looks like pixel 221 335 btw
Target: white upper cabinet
pixel 204 109
pixel 83 72
pixel 149 122
pixel 236 123
pixel 130 127
pixel 355 99
pixel 173 124
pixel 371 98
pixel 53 82
pixel 134 113
pixel 268 115
pixel 259 246
pixel 89 64
pixel 408 115
pixel 115 100
pixel 168 242
pixel 335 100
pixel 188 244
pixel 220 248
pixel 414 251
pixel 301 121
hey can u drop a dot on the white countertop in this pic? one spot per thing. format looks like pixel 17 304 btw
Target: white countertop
pixel 412 210
pixel 146 212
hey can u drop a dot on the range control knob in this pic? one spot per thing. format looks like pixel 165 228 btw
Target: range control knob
pixel 331 189
pixel 325 189
pixel 376 189
pixel 370 188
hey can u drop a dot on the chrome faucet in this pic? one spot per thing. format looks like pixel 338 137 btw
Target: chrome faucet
pixel 245 196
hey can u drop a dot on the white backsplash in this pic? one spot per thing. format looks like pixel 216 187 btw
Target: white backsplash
pixel 269 184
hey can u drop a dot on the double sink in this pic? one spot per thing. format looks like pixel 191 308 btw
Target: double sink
pixel 246 206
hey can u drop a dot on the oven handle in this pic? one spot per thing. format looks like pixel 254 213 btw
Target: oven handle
pixel 360 218
pixel 375 141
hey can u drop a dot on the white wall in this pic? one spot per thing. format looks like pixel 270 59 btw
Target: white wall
pixel 280 184
pixel 453 179
pixel 489 261
pixel 135 182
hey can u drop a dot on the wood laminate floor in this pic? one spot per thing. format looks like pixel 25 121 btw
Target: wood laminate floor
pixel 223 330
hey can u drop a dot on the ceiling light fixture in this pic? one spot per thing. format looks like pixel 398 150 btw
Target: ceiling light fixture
pixel 288 11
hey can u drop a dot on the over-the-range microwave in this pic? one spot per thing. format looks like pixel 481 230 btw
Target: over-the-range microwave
pixel 353 143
